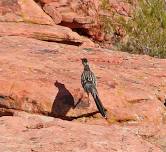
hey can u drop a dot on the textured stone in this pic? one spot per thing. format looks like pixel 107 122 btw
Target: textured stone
pixel 80 15
pixel 51 11
pixel 122 7
pixel 44 32
pixel 25 133
pixel 44 77
pixel 23 11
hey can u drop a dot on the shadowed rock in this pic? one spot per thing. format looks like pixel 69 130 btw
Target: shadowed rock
pixel 130 86
pixel 54 33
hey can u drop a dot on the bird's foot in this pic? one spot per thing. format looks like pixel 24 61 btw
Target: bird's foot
pixel 90 105
pixel 106 117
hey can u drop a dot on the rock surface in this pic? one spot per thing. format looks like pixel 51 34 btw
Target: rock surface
pixel 54 33
pixel 122 7
pixel 44 77
pixel 53 12
pixel 23 11
pixel 26 18
pixel 81 16
pixel 25 133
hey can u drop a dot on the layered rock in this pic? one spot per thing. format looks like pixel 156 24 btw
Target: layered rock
pixel 24 133
pixel 26 18
pixel 23 11
pixel 53 12
pixel 54 33
pixel 81 16
pixel 44 77
pixel 88 16
pixel 122 7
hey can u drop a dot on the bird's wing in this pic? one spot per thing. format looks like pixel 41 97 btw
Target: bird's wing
pixel 88 76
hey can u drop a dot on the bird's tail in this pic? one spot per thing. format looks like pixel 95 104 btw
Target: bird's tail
pixel 97 100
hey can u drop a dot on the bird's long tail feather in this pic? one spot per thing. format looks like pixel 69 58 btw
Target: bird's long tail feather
pixel 97 100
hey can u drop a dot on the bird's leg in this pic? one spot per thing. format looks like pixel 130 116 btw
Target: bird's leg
pixel 89 102
pixel 88 98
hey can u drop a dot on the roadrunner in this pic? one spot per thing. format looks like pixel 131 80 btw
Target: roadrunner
pixel 88 81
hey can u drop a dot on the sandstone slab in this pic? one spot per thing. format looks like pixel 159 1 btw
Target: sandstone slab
pixel 55 14
pixel 78 15
pixel 25 133
pixel 23 11
pixel 44 77
pixel 54 33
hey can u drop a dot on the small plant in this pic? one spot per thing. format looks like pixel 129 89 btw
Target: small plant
pixel 147 29
pixel 111 21
pixel 105 20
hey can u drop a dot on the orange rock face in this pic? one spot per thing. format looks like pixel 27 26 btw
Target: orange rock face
pixel 44 77
pixel 24 133
pixel 23 11
pixel 81 16
pixel 122 7
pixel 78 15
pixel 40 83
pixel 53 12
pixel 54 33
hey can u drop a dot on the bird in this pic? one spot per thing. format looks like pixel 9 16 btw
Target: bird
pixel 89 83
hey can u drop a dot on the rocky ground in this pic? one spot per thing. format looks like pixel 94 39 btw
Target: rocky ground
pixel 44 78
pixel 32 133
pixel 43 107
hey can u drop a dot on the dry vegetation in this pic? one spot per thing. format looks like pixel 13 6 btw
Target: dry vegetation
pixel 145 29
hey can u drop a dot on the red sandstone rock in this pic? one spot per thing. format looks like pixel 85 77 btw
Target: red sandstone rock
pixel 44 77
pixel 25 133
pixel 43 32
pixel 77 14
pixel 23 11
pixel 85 15
pixel 49 1
pixel 130 86
pixel 55 15
pixel 82 16
pixel 121 7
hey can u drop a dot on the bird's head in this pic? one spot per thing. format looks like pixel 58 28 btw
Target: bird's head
pixel 84 61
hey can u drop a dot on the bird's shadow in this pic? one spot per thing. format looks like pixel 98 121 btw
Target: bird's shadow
pixel 63 102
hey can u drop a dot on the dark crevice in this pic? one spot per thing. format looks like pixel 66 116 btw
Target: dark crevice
pixel 2 97
pixel 5 112
pixel 41 4
pixel 76 27
pixel 165 103
pixel 70 43
pixel 65 42
pixel 82 31
pixel 71 118
pixel 125 120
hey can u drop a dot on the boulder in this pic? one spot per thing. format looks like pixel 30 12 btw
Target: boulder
pixel 51 11
pixel 78 15
pixel 44 77
pixel 25 133
pixel 23 11
pixel 122 7
pixel 54 33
